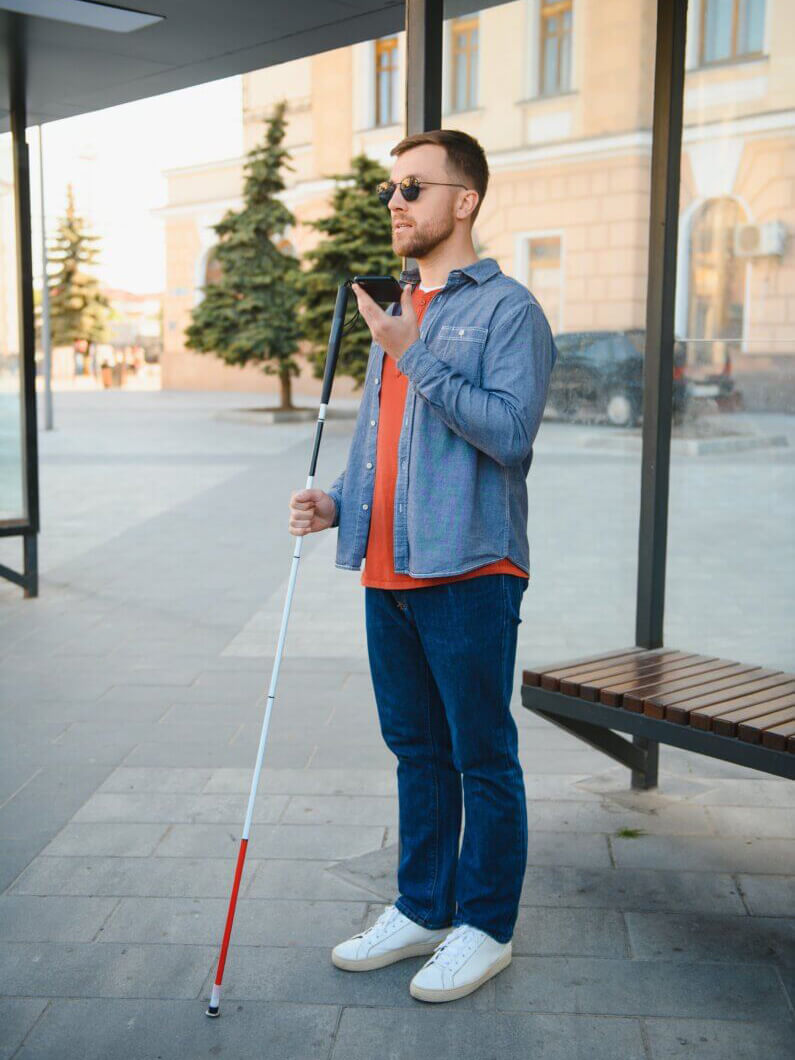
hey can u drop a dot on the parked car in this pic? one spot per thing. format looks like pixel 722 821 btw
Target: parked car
pixel 602 371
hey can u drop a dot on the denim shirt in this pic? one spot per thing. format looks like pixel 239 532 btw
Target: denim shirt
pixel 478 377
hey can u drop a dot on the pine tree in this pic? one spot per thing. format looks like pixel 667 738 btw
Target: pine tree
pixel 251 313
pixel 358 241
pixel 78 310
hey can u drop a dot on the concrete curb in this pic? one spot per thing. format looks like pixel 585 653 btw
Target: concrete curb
pixel 692 446
pixel 300 415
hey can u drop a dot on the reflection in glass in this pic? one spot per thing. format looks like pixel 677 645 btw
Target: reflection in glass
pixel 731 550
pixel 564 118
pixel 12 494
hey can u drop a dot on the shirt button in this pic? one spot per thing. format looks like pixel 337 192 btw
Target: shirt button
pixel 372 423
pixel 461 332
pixel 364 506
pixel 404 463
pixel 369 464
pixel 377 382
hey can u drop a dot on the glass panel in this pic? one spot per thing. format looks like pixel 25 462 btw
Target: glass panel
pixel 460 77
pixel 565 58
pixel 473 65
pixel 395 91
pixel 383 98
pixel 12 464
pixel 731 547
pixel 750 29
pixel 566 214
pixel 544 276
pixel 718 29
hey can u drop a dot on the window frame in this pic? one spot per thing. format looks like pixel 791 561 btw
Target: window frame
pixel 550 9
pixel 733 56
pixel 388 46
pixel 459 27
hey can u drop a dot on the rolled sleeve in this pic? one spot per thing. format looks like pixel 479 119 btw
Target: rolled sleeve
pixel 417 361
pixel 335 492
pixel 502 416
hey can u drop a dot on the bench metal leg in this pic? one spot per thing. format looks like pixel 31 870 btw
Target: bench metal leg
pixel 646 778
pixel 29 578
pixel 31 565
pixel 641 756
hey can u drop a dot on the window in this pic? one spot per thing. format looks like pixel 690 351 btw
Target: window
pixel 386 81
pixel 464 42
pixel 544 275
pixel 555 62
pixel 731 29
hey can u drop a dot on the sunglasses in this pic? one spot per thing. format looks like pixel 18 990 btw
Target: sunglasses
pixel 409 188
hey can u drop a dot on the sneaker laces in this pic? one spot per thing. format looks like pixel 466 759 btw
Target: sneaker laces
pixel 380 927
pixel 458 945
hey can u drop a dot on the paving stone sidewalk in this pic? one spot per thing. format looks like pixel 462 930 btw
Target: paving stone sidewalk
pixel 132 692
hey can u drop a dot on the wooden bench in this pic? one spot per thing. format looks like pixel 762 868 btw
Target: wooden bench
pixel 734 711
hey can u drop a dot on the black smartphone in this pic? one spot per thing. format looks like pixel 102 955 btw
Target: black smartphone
pixel 383 289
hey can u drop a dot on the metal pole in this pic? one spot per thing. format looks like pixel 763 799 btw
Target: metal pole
pixel 423 65
pixel 17 83
pixel 46 338
pixel 424 27
pixel 335 339
pixel 669 76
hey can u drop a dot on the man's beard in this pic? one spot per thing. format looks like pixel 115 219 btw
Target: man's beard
pixel 420 243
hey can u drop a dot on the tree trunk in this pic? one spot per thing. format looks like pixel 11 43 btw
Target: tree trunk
pixel 284 379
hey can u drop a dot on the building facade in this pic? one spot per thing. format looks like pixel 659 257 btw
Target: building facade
pixel 560 94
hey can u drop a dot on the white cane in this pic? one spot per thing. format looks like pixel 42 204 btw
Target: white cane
pixel 335 338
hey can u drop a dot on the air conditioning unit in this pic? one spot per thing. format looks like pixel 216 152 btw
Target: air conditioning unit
pixel 754 241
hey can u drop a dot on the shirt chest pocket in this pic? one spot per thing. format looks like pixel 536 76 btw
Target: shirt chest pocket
pixel 462 347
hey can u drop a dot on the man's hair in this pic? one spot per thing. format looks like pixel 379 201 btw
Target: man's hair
pixel 466 159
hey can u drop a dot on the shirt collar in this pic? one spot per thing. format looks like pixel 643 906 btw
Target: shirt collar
pixel 479 271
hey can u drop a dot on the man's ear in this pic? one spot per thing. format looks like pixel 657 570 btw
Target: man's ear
pixel 466 205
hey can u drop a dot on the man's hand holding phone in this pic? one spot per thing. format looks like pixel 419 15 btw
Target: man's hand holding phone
pixel 393 334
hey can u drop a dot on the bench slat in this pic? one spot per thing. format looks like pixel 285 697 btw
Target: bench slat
pixel 751 731
pixel 533 677
pixel 726 724
pixel 552 678
pixel 704 679
pixel 655 704
pixel 612 692
pixel 754 681
pixel 778 737
pixel 701 714
pixel 588 685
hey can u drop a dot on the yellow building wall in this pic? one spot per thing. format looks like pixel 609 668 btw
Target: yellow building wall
pixel 575 164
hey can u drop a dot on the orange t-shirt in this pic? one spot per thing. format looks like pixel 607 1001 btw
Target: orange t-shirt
pixel 379 572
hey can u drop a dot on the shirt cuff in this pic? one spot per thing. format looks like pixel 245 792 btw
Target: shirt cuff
pixel 416 361
pixel 336 496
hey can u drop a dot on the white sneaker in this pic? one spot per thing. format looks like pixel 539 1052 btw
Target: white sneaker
pixel 392 937
pixel 466 959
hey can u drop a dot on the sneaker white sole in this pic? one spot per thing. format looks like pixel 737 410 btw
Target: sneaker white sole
pixel 381 960
pixel 454 992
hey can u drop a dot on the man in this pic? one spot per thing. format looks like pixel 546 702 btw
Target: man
pixel 435 494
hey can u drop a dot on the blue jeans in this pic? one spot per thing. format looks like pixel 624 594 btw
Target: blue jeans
pixel 442 664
